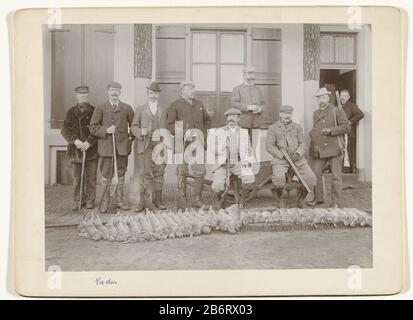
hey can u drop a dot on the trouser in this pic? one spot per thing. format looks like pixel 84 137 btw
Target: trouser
pixel 335 165
pixel 351 150
pixel 152 174
pixel 220 178
pixel 281 167
pixel 89 180
pixel 106 164
pixel 195 170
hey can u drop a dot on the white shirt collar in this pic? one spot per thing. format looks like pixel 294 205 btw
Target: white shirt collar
pixel 153 106
pixel 188 100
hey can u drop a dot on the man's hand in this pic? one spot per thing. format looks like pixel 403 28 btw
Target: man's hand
pixel 295 157
pixel 326 131
pixel 156 136
pixel 254 108
pixel 111 129
pixel 78 143
pixel 258 109
pixel 85 146
pixel 188 135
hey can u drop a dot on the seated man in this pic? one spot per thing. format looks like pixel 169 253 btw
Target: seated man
pixel 234 152
pixel 289 136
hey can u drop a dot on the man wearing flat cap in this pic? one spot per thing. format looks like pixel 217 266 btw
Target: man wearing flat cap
pixel 76 132
pixel 196 122
pixel 149 119
pixel 113 118
pixel 330 124
pixel 248 99
pixel 288 135
pixel 235 155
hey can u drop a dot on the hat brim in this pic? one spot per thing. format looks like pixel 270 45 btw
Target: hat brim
pixel 323 94
pixel 154 89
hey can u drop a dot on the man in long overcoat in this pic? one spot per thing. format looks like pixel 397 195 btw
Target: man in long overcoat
pixel 76 132
pixel 330 124
pixel 113 118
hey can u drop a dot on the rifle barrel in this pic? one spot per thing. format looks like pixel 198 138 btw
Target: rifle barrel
pixel 292 164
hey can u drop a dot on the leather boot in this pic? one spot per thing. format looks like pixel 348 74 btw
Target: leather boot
pixel 244 194
pixel 106 196
pixel 141 204
pixel 121 204
pixel 280 198
pixel 157 201
pixel 197 189
pixel 301 197
pixel 182 195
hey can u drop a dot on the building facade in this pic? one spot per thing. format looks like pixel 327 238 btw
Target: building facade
pixel 292 62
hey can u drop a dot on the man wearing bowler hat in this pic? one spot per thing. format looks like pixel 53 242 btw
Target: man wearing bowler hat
pixel 248 99
pixel 196 121
pixel 113 118
pixel 76 132
pixel 330 124
pixel 149 119
pixel 288 135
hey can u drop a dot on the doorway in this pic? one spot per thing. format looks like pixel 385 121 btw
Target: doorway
pixel 336 80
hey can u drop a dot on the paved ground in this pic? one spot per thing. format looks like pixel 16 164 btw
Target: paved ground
pixel 327 248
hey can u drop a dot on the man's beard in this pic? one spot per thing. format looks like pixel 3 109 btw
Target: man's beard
pixel 286 121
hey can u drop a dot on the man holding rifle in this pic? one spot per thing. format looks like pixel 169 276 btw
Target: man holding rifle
pixel 285 142
pixel 111 123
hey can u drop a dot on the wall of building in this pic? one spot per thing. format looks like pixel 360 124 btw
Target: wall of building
pixel 294 90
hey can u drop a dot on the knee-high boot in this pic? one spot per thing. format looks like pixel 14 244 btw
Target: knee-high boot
pixel 157 201
pixel 104 206
pixel 197 190
pixel 121 203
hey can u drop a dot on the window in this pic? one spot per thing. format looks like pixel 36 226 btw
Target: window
pixel 217 60
pixel 338 49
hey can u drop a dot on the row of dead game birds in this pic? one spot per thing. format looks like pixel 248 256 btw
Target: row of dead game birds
pixel 130 228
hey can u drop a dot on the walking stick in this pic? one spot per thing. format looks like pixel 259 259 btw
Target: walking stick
pixel 81 179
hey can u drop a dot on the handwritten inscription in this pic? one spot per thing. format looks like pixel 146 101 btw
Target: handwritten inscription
pixel 105 282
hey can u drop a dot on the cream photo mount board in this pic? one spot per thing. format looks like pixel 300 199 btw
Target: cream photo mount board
pixel 387 274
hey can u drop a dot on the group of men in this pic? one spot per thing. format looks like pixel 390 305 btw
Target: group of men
pixel 107 132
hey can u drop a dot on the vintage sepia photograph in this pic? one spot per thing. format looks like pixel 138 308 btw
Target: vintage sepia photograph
pixel 207 146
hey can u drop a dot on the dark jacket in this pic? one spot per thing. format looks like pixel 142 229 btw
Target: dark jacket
pixel 354 115
pixel 194 116
pixel 143 119
pixel 243 96
pixel 326 146
pixel 76 126
pixel 103 117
